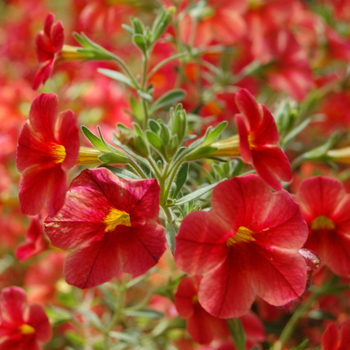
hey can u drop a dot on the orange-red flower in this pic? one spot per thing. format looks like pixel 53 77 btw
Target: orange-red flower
pixel 22 326
pixel 332 339
pixel 246 246
pixel 49 43
pixel 111 226
pixel 48 147
pixel 325 206
pixel 257 142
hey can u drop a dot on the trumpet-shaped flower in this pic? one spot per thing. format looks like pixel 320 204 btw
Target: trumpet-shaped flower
pixel 258 141
pixel 48 147
pixel 246 246
pixel 49 43
pixel 111 226
pixel 325 206
pixel 23 326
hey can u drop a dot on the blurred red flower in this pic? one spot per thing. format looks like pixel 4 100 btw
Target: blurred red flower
pixel 221 21
pixel 332 339
pixel 23 326
pixel 111 225
pixel 247 245
pixel 48 147
pixel 325 206
pixel 35 240
pixel 48 43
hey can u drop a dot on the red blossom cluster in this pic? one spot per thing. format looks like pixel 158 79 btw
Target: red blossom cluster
pixel 192 196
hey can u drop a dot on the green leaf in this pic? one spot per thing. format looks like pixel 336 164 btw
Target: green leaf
pixel 154 126
pixel 123 173
pixel 237 333
pixel 145 95
pixel 170 233
pixel 95 141
pixel 129 151
pixel 195 194
pixel 181 178
pixel 144 313
pixel 212 135
pixel 140 42
pixel 110 147
pixel 129 338
pixel 168 99
pixel 154 140
pixel 302 345
pixel 128 29
pixel 289 137
pixel 91 316
pixel 113 74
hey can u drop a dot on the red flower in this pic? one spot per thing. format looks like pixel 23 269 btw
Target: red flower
pixel 111 225
pixel 23 327
pixel 325 206
pixel 333 340
pixel 35 240
pixel 247 245
pixel 221 21
pixel 49 44
pixel 258 141
pixel 48 147
pixel 201 326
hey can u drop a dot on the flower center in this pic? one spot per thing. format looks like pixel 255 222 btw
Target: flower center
pixel 26 329
pixel 59 153
pixel 242 235
pixel 322 222
pixel 116 217
pixel 252 145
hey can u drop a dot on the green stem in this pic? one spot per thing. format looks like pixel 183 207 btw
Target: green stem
pixel 143 85
pixel 138 169
pixel 163 63
pixel 172 174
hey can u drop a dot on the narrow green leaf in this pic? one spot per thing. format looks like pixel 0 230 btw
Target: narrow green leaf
pixel 145 95
pixel 212 135
pixel 144 313
pixel 95 141
pixel 296 131
pixel 129 338
pixel 110 147
pixel 181 178
pixel 113 74
pixel 168 99
pixel 123 173
pixel 129 151
pixel 237 333
pixel 170 233
pixel 195 194
pixel 128 29
pixel 91 316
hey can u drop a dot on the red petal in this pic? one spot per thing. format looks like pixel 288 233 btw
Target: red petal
pixel 244 147
pixel 201 243
pixel 42 75
pixel 48 24
pixel 68 136
pixel 186 290
pixel 344 338
pixel 58 36
pixel 250 109
pixel 38 319
pixel 139 247
pixel 228 291
pixel 94 263
pixel 13 305
pixel 319 196
pixel 271 164
pixel 330 338
pixel 267 133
